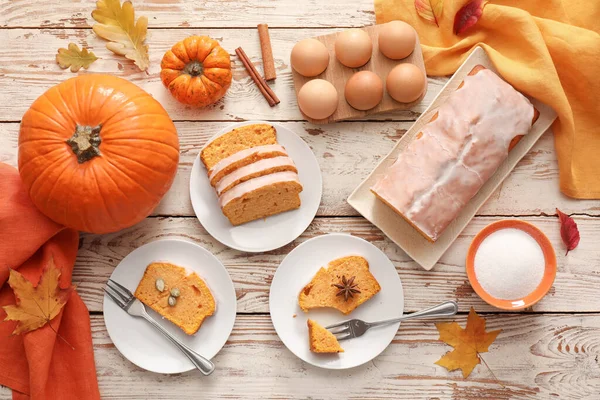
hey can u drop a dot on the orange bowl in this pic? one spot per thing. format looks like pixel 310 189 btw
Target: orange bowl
pixel 549 270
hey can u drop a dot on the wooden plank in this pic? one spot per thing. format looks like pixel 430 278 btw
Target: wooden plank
pixel 348 152
pixel 28 68
pixel 188 14
pixel 535 357
pixel 575 288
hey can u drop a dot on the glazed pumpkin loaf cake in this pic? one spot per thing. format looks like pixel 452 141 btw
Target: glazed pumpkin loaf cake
pixel 183 299
pixel 255 170
pixel 463 145
pixel 252 174
pixel 238 139
pixel 321 340
pixel 243 158
pixel 345 284
pixel 260 197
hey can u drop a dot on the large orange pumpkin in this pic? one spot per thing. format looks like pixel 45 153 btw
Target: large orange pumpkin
pixel 197 71
pixel 97 153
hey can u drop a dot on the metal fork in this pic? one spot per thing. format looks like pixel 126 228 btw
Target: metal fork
pixel 124 299
pixel 354 328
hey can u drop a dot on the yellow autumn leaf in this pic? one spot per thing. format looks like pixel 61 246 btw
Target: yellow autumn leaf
pixel 117 24
pixel 75 58
pixel 430 10
pixel 36 306
pixel 468 343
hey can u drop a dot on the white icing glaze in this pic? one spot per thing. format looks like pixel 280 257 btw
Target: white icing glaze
pixel 437 174
pixel 258 166
pixel 240 155
pixel 256 183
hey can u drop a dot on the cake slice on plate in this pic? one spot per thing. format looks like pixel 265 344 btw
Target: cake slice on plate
pixel 255 170
pixel 183 299
pixel 321 340
pixel 345 284
pixel 252 174
pixel 238 139
pixel 158 280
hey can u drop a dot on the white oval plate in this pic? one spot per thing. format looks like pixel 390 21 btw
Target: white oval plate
pixel 299 267
pixel 263 234
pixel 143 345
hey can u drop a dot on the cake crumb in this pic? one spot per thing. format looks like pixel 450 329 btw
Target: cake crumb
pixel 294 316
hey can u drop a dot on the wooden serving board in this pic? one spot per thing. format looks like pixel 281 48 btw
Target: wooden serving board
pixel 338 74
pixel 394 226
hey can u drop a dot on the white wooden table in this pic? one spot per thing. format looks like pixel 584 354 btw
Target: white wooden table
pixel 552 351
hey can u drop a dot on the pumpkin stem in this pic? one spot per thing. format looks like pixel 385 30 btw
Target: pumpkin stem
pixel 194 68
pixel 85 142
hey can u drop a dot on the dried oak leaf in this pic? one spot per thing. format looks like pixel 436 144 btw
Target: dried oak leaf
pixel 117 24
pixel 75 58
pixel 36 306
pixel 430 10
pixel 468 343
pixel 568 231
pixel 468 15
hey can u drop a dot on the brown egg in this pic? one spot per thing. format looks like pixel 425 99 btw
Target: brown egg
pixel 364 90
pixel 309 57
pixel 397 40
pixel 405 83
pixel 353 48
pixel 318 99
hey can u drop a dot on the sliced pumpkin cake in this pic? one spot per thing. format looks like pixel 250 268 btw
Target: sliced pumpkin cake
pixel 185 300
pixel 321 340
pixel 243 158
pixel 345 284
pixel 193 304
pixel 158 280
pixel 252 174
pixel 238 139
pixel 255 170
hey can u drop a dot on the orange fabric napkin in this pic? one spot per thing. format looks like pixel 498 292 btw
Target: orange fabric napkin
pixel 38 364
pixel 547 49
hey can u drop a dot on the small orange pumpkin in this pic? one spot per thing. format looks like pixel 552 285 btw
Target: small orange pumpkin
pixel 97 153
pixel 197 71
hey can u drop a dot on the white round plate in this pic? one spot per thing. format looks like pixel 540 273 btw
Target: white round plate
pixel 263 234
pixel 299 267
pixel 146 347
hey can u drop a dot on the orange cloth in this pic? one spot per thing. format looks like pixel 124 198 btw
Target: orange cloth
pixel 38 364
pixel 547 49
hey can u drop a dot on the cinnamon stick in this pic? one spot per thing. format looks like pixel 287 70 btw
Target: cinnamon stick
pixel 267 52
pixel 264 88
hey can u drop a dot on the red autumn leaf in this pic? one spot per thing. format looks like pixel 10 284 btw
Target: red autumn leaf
pixel 468 15
pixel 568 231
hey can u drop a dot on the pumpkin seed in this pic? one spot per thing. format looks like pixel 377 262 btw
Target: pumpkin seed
pixel 175 292
pixel 160 285
pixel 172 301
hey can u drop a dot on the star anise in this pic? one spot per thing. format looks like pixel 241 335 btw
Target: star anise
pixel 347 288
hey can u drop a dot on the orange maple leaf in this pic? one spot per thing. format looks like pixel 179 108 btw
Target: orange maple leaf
pixel 468 343
pixel 36 306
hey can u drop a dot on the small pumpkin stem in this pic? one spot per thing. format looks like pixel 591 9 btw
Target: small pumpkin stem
pixel 194 68
pixel 85 142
